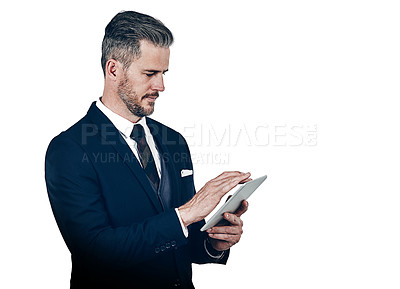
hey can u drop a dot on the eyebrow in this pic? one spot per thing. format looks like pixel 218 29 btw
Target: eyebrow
pixel 155 71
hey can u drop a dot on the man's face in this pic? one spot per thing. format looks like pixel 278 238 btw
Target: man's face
pixel 142 81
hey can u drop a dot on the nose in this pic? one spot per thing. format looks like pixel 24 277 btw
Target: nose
pixel 158 82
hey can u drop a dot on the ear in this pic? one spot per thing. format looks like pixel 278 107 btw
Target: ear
pixel 112 67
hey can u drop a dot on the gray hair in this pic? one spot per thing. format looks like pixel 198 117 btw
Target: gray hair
pixel 125 31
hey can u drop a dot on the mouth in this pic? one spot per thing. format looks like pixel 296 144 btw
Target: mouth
pixel 151 97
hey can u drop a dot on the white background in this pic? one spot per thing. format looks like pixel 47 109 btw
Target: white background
pixel 256 76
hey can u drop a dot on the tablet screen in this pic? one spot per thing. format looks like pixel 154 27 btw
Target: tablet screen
pixel 234 202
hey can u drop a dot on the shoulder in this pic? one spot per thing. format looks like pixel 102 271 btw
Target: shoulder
pixel 83 130
pixel 70 146
pixel 69 155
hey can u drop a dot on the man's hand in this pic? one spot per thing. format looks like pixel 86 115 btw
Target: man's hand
pixel 208 197
pixel 224 237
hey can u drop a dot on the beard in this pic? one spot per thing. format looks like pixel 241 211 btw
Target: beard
pixel 133 101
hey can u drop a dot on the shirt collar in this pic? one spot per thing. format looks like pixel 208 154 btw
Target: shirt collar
pixel 124 126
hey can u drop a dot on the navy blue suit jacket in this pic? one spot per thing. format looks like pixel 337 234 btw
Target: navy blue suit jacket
pixel 114 225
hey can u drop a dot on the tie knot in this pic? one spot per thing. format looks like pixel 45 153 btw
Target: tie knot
pixel 137 132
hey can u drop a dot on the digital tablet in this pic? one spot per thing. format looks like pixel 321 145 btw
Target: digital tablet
pixel 233 203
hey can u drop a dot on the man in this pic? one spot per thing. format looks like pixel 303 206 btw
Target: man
pixel 121 184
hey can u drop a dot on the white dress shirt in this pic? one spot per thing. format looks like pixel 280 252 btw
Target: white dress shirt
pixel 125 128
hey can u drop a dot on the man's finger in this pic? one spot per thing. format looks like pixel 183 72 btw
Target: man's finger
pixel 245 181
pixel 226 237
pixel 230 230
pixel 223 184
pixel 242 209
pixel 227 175
pixel 233 219
pixel 221 187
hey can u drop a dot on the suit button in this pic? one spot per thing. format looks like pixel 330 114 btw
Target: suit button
pixel 157 250
pixel 173 243
pixel 162 248
pixel 168 245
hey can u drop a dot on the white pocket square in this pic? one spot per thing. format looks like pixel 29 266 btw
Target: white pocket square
pixel 185 173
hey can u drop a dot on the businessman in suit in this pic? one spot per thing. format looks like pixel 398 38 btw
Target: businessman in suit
pixel 121 184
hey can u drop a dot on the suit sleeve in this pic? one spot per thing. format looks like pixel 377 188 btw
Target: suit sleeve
pixel 76 200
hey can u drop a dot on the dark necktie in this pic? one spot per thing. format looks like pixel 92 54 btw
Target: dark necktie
pixel 146 158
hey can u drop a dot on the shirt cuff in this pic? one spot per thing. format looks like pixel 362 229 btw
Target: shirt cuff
pixel 184 229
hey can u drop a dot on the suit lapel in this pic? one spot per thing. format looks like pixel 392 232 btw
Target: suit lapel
pixel 112 137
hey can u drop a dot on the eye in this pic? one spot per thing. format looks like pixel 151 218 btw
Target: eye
pixel 150 74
